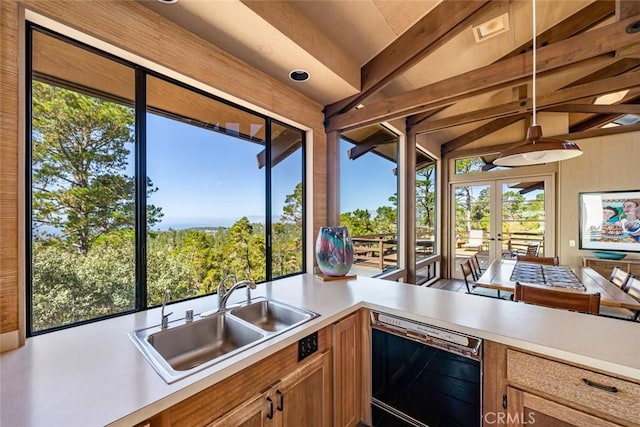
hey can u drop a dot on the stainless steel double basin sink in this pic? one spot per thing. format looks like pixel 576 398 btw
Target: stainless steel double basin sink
pixel 187 347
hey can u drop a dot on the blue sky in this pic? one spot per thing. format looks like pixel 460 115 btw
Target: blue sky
pixel 206 178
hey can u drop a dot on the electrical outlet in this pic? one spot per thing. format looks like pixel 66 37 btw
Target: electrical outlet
pixel 307 346
pixel 572 243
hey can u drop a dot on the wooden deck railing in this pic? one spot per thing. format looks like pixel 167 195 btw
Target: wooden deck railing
pixel 380 251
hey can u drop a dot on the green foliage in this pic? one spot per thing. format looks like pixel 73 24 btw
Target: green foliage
pixel 79 159
pixel 386 220
pixel 358 222
pixel 292 210
pixel 426 198
pixel 69 286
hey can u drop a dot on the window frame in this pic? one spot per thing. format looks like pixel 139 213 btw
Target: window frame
pixel 140 193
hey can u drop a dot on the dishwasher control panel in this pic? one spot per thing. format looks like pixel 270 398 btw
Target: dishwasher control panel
pixel 445 339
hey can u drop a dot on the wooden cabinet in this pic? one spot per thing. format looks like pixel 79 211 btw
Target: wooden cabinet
pixel 557 394
pixel 347 371
pixel 302 398
pixel 604 266
pixel 523 389
pixel 253 413
pixel 529 409
pixel 242 398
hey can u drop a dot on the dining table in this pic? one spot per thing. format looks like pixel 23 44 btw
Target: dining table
pixel 499 275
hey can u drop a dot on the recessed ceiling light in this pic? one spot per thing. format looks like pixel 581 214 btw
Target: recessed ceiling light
pixel 168 1
pixel 299 75
pixel 359 106
pixel 491 28
pixel 611 98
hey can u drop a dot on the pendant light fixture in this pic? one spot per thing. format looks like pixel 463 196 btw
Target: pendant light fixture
pixel 536 149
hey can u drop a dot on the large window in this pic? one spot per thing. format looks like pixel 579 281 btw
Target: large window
pixel 139 184
pixel 369 198
pixel 425 205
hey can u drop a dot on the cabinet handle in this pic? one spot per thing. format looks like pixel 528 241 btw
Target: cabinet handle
pixel 270 414
pixel 608 388
pixel 281 402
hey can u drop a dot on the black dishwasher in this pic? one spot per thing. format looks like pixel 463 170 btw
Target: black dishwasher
pixel 423 375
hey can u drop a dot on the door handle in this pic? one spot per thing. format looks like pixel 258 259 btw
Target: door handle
pixel 270 413
pixel 280 406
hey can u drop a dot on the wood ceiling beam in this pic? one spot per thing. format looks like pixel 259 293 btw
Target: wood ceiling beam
pixel 281 148
pixel 480 132
pixel 582 20
pixel 575 24
pixel 606 116
pixel 621 66
pixel 368 144
pixel 436 28
pixel 600 109
pixel 492 77
pixel 562 96
pixel 532 187
pixel 419 118
pixel 593 133
pixel 592 122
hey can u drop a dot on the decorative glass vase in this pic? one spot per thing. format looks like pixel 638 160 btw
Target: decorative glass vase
pixel 334 251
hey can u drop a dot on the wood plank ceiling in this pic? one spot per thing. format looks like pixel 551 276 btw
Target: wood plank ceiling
pixel 381 60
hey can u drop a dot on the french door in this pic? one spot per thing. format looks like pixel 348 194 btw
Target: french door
pixel 501 218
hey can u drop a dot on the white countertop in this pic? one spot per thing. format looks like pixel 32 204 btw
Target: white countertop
pixel 94 375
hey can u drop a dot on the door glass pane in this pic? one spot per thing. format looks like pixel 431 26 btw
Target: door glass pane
pixel 287 200
pixel 82 185
pixel 472 224
pixel 206 193
pixel 523 218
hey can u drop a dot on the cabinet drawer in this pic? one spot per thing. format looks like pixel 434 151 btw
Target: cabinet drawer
pixel 572 384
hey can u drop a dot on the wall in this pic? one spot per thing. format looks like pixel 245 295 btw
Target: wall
pixel 137 30
pixel 608 163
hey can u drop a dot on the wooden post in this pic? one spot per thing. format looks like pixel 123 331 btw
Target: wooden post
pixel 333 178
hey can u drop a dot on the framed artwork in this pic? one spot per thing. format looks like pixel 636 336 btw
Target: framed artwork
pixel 610 220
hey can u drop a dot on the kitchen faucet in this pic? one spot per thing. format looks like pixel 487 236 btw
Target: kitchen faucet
pixel 165 317
pixel 223 295
pixel 222 290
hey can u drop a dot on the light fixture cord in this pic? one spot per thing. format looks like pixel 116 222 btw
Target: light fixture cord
pixel 534 63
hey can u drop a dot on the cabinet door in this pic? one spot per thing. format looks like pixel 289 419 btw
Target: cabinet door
pixel 255 412
pixel 303 398
pixel 528 409
pixel 347 373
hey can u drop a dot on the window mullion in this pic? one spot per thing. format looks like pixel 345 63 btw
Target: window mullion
pixel 141 189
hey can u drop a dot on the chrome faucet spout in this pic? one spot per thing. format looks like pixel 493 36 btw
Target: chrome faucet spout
pixel 222 290
pixel 165 317
pixel 249 284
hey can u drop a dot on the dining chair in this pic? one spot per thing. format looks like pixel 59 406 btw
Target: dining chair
pixel 547 297
pixel 475 256
pixel 620 277
pixel 472 289
pixel 547 260
pixel 632 287
pixel 532 249
pixel 475 267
